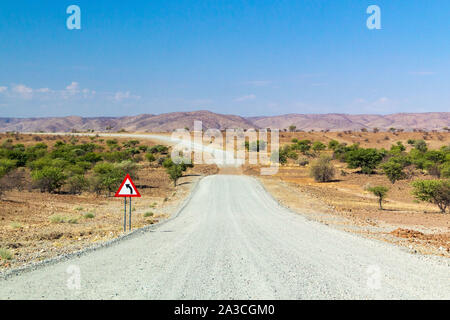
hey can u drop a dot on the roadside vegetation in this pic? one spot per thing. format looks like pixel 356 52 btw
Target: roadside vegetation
pixel 73 167
pixel 396 163
pixel 57 191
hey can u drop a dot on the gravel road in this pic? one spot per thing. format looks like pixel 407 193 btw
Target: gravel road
pixel 233 241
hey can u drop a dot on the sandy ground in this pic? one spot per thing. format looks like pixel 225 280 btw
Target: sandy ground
pixel 27 231
pixel 233 241
pixel 419 227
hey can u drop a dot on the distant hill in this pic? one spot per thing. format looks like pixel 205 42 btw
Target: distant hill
pixel 144 123
pixel 170 121
pixel 340 122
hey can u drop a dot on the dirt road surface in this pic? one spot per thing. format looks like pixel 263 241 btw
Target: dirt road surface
pixel 233 241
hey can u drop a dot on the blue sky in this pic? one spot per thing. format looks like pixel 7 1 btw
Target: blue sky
pixel 249 58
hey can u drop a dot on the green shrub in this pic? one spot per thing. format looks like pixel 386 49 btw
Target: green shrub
pixel 302 145
pixel 116 156
pixel 322 170
pixel 107 176
pixel 397 149
pixel 89 215
pixel 62 219
pixel 15 225
pixel 366 159
pixel 342 150
pixel 77 184
pixel 167 163
pixel 6 165
pixel 333 144
pixel 150 157
pixel 71 220
pixel 5 254
pixel 318 146
pixel 420 145
pixel 112 144
pixel 393 170
pixel 158 149
pixel 445 169
pixel 49 179
pixel 148 214
pixel 56 218
pixel 291 154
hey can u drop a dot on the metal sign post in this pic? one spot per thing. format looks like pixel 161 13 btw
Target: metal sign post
pixel 127 189
pixel 124 214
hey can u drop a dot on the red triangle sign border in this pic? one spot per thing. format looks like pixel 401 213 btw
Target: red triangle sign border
pixel 137 195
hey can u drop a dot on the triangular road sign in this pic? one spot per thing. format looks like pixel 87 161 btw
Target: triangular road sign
pixel 127 188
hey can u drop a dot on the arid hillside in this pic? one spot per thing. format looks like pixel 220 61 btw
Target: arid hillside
pixel 340 122
pixel 167 122
pixel 143 123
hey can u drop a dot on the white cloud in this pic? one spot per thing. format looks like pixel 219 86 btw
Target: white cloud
pixel 88 93
pixel 119 96
pixel 247 97
pixel 43 90
pixel 23 91
pixel 73 88
pixel 71 91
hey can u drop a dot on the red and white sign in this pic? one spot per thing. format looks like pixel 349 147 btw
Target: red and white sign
pixel 127 189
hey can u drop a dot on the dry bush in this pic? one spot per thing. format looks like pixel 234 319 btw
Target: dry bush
pixel 15 179
pixel 322 170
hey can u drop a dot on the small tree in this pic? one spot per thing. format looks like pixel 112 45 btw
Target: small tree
pixel 333 144
pixel 380 192
pixel 303 146
pixel 433 191
pixel 318 146
pixel 322 170
pixel 393 170
pixel 420 145
pixel 175 172
pixel 292 128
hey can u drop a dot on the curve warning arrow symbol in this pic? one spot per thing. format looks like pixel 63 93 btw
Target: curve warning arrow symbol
pixel 129 187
